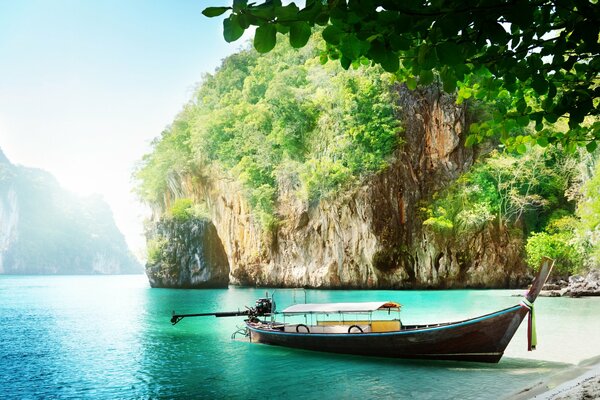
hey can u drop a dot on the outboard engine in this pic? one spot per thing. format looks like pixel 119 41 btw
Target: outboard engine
pixel 263 306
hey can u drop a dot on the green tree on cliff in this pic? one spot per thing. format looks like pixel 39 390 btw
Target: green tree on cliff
pixel 278 122
pixel 536 60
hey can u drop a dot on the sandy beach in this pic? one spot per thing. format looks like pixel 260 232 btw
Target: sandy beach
pixel 581 382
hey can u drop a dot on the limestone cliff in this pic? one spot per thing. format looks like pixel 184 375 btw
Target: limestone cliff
pixel 186 254
pixel 46 230
pixel 371 236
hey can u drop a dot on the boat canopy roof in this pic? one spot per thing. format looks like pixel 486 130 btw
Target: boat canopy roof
pixel 326 308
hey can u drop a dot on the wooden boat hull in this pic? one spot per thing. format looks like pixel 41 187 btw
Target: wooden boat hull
pixel 482 339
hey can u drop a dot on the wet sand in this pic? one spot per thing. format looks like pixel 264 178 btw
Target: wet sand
pixel 580 382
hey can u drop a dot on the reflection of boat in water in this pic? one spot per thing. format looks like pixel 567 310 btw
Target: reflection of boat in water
pixel 354 331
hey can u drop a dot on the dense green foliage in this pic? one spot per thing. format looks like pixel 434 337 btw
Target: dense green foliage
pixel 588 211
pixel 182 209
pixel 277 120
pixel 505 188
pixel 171 158
pixel 574 240
pixel 559 242
pixel 154 249
pixel 536 196
pixel 535 60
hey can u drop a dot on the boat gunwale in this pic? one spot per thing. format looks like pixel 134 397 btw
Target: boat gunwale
pixel 446 325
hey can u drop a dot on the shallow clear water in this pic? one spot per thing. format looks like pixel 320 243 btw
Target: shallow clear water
pixel 110 337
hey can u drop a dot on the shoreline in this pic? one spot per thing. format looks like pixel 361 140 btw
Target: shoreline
pixel 581 381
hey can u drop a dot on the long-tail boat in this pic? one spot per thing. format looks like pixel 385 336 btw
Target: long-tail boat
pixel 483 338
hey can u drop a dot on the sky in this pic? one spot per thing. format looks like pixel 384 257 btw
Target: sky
pixel 86 85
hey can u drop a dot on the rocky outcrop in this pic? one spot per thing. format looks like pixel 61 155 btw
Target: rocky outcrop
pixel 577 286
pixel 46 230
pixel 588 285
pixel 186 254
pixel 371 236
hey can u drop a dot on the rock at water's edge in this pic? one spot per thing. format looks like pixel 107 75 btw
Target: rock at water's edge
pixel 588 285
pixel 186 254
pixel 578 286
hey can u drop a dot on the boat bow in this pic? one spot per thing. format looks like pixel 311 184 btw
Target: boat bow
pixel 532 294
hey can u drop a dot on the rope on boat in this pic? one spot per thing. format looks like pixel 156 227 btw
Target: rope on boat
pixel 531 331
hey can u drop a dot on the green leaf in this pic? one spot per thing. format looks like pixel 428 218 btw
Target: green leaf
pixel 377 51
pixel 426 77
pixel 239 4
pixel 449 53
pixel 232 30
pixel 471 140
pixel 539 84
pixel 323 58
pixel 311 11
pixel 321 19
pixel 591 146
pixel 551 90
pixel 265 38
pixel 426 58
pixel 542 141
pixel 521 149
pixel 496 33
pixel 214 11
pixel 299 34
pixel 345 62
pixel 448 80
pixel 264 11
pixel 523 120
pixel 411 83
pixel 399 42
pixel 281 28
pixel 391 62
pixel 287 14
pixel 245 20
pixel 332 34
pixel 351 47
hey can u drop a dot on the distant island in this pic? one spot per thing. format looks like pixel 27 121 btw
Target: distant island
pixel 44 229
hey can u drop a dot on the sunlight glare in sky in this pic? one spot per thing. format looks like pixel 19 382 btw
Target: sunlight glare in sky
pixel 85 86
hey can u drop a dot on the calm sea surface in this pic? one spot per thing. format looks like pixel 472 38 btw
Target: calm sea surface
pixel 110 337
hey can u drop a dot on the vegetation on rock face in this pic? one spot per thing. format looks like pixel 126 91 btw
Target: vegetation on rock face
pixel 557 241
pixel 537 196
pixel 186 254
pixel 506 188
pixel 277 119
pixel 535 60
pixel 290 121
pixel 573 239
pixel 588 211
pixel 182 210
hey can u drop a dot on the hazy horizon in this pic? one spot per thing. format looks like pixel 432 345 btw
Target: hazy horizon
pixel 86 86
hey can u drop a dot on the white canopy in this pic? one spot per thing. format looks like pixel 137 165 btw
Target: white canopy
pixel 326 308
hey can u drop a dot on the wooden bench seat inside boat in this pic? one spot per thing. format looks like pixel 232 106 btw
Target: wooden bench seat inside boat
pixel 343 326
pixel 375 326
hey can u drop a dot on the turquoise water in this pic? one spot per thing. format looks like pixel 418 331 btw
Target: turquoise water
pixel 110 337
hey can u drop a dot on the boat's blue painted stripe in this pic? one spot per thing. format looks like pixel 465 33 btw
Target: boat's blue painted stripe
pixel 407 332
